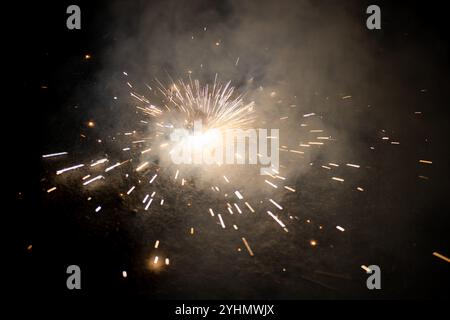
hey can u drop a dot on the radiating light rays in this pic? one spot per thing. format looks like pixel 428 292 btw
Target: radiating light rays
pixel 217 104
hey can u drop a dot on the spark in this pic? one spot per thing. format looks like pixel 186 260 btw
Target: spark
pixel 99 162
pixel 289 188
pixel 142 166
pixel 153 178
pixel 276 219
pixel 338 179
pixel 426 161
pixel 51 189
pixel 365 268
pixel 69 169
pixel 131 190
pixel 250 252
pixel 270 183
pixel 51 155
pixel 276 204
pixel 221 221
pixel 340 228
pixel 333 164
pixel 92 180
pixel 249 207
pixel 148 204
pixel 436 254
pixel 98 209
pixel 112 167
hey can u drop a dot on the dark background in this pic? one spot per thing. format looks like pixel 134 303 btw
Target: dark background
pixel 401 223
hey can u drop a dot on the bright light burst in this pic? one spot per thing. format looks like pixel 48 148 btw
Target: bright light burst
pixel 215 104
pixel 219 107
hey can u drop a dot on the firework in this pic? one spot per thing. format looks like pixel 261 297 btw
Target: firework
pixel 180 104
